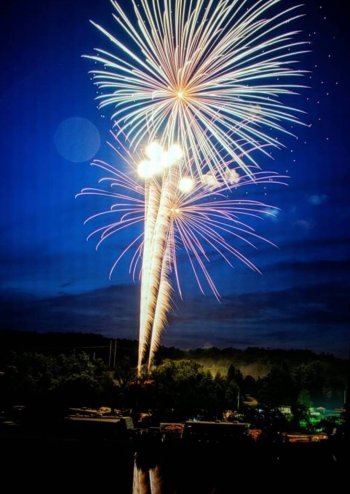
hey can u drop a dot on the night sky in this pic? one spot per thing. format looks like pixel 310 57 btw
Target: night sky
pixel 51 279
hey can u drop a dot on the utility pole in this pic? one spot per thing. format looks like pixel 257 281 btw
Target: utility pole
pixel 110 355
pixel 115 354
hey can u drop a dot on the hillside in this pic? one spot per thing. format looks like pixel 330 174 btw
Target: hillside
pixel 253 361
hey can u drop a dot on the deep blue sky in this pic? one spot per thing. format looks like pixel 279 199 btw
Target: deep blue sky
pixel 52 279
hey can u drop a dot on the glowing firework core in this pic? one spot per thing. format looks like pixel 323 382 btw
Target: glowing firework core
pixel 186 184
pixel 154 151
pixel 159 159
pixel 181 94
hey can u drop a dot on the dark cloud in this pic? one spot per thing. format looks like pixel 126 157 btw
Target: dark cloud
pixel 315 243
pixel 110 311
pixel 315 317
pixel 322 303
pixel 322 267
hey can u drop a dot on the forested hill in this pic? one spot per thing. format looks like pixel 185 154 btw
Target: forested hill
pixel 253 361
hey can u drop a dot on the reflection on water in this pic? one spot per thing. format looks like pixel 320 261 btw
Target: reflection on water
pixel 146 480
pixel 206 468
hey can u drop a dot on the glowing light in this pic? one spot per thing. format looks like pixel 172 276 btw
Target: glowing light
pixel 232 177
pixel 186 184
pixel 180 94
pixel 154 151
pixel 145 169
pixel 159 159
pixel 210 180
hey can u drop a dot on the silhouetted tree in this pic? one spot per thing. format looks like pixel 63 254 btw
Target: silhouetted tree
pixel 278 388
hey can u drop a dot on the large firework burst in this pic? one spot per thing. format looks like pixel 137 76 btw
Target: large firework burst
pixel 206 74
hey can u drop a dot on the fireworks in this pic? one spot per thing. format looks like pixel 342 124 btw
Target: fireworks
pixel 199 222
pixel 195 87
pixel 205 74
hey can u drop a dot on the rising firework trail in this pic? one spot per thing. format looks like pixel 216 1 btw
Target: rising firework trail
pixel 198 218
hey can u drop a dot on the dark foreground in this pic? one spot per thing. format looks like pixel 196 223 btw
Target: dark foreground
pixel 53 461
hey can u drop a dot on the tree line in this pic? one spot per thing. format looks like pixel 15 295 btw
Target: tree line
pixel 176 389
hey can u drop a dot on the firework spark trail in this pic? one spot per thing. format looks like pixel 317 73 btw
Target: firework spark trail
pixel 201 219
pixel 155 275
pixel 207 74
pixel 152 199
pixel 162 306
